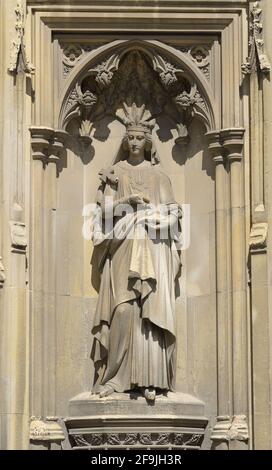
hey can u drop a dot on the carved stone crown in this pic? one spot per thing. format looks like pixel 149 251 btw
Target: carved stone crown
pixel 136 118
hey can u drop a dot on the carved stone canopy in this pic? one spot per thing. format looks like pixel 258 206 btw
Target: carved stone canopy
pixel 134 75
pixel 18 57
pixel 257 60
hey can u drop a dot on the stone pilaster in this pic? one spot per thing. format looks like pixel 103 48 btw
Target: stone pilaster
pixel 261 230
pixel 226 148
pixel 224 366
pixel 232 140
pixel 48 154
pixel 14 337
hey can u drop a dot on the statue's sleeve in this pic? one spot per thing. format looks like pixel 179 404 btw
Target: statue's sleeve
pixel 99 235
pixel 107 186
pixel 166 190
pixel 167 198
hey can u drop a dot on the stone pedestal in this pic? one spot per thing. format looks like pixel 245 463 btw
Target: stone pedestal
pixel 128 421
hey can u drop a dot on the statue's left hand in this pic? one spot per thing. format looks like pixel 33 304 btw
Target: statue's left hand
pixel 160 222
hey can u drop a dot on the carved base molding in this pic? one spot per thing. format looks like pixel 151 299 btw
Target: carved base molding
pixel 142 440
pixel 125 421
pixel 45 432
pixel 229 429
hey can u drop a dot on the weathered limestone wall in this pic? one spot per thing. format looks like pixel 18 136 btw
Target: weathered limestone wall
pixel 267 9
pixel 14 319
pixel 261 119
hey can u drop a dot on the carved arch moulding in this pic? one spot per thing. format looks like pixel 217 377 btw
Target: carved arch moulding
pixel 114 76
pixel 137 71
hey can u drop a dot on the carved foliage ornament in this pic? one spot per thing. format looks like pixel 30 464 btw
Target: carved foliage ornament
pixel 46 429
pixel 72 53
pixel 168 72
pixel 200 55
pixel 117 82
pixel 129 440
pixel 18 46
pixel 257 60
pixel 104 72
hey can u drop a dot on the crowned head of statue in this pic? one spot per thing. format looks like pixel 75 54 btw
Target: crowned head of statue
pixel 137 142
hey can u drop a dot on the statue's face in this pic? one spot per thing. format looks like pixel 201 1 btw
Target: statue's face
pixel 136 142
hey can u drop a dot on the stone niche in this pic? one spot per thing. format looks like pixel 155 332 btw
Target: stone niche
pixel 178 78
pixel 173 87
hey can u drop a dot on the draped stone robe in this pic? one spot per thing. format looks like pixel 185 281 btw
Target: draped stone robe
pixel 135 324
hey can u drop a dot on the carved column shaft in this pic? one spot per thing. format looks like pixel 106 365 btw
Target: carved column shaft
pixel 226 149
pixel 224 377
pixel 233 144
pixel 36 285
pixel 48 152
pixel 49 321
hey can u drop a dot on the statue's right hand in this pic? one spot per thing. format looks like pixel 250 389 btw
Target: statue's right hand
pixel 137 199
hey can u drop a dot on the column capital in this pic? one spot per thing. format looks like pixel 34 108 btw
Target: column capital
pixel 48 145
pixel 226 143
pixel 57 147
pixel 215 147
pixel 233 142
pixel 40 142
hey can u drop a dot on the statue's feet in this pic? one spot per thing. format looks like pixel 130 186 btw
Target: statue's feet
pixel 150 394
pixel 105 391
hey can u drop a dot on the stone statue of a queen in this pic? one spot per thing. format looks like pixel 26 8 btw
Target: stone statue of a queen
pixel 138 240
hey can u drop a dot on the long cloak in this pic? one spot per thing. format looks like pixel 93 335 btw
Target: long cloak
pixel 142 272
